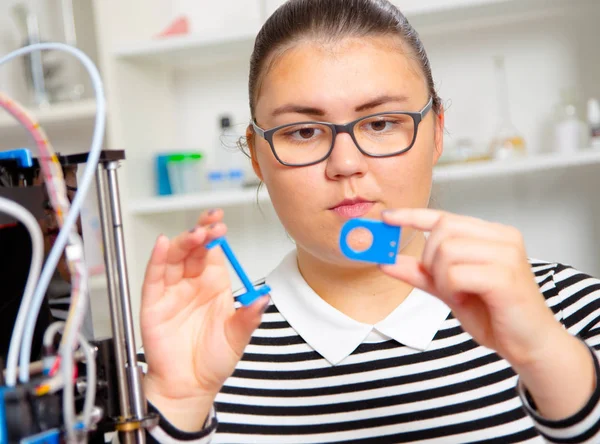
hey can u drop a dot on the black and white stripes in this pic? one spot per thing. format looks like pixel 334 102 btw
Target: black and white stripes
pixel 455 391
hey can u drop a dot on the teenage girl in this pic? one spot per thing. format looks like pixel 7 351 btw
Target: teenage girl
pixel 464 339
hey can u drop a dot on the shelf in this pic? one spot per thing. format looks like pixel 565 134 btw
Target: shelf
pixel 60 113
pixel 191 50
pixel 499 169
pixel 441 17
pixel 442 174
pixel 195 202
pixel 436 16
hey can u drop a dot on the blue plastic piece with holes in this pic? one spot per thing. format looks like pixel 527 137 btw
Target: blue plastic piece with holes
pixel 3 425
pixel 48 437
pixel 22 156
pixel 252 293
pixel 383 249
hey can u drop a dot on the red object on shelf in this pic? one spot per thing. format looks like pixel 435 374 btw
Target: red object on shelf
pixel 179 26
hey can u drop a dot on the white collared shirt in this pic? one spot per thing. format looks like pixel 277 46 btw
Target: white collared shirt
pixel 335 335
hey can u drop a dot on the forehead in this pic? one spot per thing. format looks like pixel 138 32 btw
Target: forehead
pixel 349 71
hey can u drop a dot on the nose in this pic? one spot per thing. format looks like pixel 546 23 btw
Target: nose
pixel 345 160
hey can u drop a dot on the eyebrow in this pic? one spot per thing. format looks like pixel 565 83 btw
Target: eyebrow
pixel 311 111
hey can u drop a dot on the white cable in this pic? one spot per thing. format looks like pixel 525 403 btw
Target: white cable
pixel 51 331
pixel 75 255
pixel 48 343
pixel 71 219
pixel 37 258
pixel 90 390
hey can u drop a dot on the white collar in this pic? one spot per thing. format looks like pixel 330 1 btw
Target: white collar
pixel 333 334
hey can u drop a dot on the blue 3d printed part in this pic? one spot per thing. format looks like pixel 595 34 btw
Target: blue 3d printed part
pixel 3 424
pixel 21 155
pixel 383 249
pixel 252 293
pixel 49 437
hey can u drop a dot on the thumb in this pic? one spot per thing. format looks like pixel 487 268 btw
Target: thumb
pixel 241 325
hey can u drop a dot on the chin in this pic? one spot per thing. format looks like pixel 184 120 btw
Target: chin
pixel 333 257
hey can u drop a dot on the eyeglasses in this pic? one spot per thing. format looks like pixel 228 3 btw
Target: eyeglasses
pixel 377 135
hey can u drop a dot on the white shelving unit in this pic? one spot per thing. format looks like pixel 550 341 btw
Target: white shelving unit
pixel 507 169
pixel 198 202
pixel 431 17
pixel 442 175
pixel 196 51
pixel 63 113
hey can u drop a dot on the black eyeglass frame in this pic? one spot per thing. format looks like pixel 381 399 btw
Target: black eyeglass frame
pixel 347 128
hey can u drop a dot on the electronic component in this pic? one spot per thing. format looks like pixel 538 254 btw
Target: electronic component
pixel 26 414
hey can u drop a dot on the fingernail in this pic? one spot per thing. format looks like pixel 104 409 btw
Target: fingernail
pixel 212 211
pixel 265 306
pixel 193 230
pixel 211 226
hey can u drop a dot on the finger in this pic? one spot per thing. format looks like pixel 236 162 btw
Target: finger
pixel 180 249
pixel 422 219
pixel 210 217
pixel 475 279
pixel 409 270
pixel 185 243
pixel 195 262
pixel 241 325
pixel 215 231
pixel 425 219
pixel 155 271
pixel 451 226
pixel 455 251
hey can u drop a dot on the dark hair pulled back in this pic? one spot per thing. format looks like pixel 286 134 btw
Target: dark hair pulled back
pixel 332 20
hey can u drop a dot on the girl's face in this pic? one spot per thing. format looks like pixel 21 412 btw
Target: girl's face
pixel 340 83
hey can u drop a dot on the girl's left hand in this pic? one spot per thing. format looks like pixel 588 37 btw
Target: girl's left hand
pixel 481 271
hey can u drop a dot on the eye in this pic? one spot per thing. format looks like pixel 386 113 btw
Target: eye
pixel 379 125
pixel 386 124
pixel 303 134
pixel 306 133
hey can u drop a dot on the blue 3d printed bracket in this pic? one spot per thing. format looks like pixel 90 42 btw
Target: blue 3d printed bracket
pixel 252 293
pixel 383 249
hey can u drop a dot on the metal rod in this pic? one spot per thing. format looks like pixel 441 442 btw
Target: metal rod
pixel 138 400
pixel 68 19
pixel 37 63
pixel 113 298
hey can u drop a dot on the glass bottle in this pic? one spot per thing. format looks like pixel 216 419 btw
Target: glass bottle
pixel 569 129
pixel 508 143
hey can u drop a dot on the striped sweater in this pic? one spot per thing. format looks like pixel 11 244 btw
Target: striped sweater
pixel 453 391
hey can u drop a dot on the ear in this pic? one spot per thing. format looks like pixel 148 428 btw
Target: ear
pixel 439 136
pixel 252 151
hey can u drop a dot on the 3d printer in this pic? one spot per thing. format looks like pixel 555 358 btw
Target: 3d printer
pixel 78 390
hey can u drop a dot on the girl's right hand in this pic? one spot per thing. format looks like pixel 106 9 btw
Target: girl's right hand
pixel 193 336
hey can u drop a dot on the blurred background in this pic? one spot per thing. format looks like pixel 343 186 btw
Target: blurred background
pixel 520 80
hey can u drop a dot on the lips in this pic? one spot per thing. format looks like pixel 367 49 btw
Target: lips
pixel 351 208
